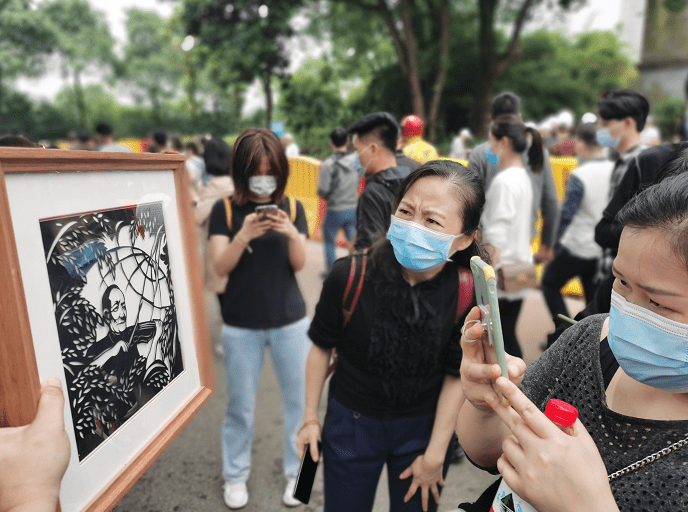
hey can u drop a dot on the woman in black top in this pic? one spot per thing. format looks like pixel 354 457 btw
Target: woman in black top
pixel 262 304
pixel 395 393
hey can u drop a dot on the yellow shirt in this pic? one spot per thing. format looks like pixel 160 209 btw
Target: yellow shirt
pixel 420 150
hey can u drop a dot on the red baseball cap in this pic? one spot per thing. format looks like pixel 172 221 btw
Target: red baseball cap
pixel 411 126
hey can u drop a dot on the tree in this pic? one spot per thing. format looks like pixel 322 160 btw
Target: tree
pixel 251 37
pixel 83 40
pixel 25 41
pixel 152 61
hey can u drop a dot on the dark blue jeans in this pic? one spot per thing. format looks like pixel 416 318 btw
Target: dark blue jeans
pixel 355 449
pixel 333 221
pixel 559 271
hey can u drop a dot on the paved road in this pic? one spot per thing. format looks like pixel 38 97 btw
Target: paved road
pixel 187 477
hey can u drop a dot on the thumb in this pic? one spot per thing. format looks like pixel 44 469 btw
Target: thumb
pixel 406 473
pixel 50 414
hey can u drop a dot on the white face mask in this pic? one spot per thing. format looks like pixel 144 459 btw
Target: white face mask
pixel 262 186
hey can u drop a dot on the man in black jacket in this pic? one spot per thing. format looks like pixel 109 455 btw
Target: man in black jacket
pixel 375 138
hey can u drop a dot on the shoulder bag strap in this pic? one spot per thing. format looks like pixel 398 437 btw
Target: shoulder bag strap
pixel 465 293
pixel 228 212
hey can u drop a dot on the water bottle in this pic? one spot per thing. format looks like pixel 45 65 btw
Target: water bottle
pixel 563 415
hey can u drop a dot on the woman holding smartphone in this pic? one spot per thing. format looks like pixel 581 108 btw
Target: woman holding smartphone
pixel 262 305
pixel 626 373
pixel 395 394
pixel 506 223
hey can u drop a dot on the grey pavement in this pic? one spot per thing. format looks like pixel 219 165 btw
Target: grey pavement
pixel 188 475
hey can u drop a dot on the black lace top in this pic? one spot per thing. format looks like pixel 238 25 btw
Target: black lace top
pixel 399 344
pixel 571 371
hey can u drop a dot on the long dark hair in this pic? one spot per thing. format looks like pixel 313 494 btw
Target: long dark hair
pixel 249 150
pixel 467 188
pixel 512 127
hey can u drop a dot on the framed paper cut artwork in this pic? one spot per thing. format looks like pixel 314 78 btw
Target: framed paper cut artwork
pixel 101 287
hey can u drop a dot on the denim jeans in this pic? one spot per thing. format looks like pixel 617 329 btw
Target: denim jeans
pixel 333 221
pixel 244 349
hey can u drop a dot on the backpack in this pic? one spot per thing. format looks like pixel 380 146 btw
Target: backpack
pixel 357 276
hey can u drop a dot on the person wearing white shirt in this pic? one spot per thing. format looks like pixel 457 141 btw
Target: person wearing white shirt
pixel 290 148
pixel 507 229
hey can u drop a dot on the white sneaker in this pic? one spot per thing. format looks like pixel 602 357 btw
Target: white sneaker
pixel 236 495
pixel 288 496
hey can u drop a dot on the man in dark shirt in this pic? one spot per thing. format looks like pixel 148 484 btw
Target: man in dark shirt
pixel 375 139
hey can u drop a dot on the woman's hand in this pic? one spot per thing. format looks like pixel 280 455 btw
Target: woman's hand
pixel 427 475
pixel 479 368
pixel 33 458
pixel 546 467
pixel 254 226
pixel 309 435
pixel 282 224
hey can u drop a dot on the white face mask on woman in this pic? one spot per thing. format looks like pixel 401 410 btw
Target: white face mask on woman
pixel 262 186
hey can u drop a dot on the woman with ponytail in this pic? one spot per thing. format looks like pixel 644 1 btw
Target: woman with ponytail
pixel 506 223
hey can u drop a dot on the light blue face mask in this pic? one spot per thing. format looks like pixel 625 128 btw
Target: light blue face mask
pixel 493 158
pixel 604 138
pixel 650 348
pixel 262 186
pixel 357 162
pixel 416 247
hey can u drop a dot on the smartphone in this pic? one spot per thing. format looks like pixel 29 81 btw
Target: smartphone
pixel 266 209
pixel 485 284
pixel 306 476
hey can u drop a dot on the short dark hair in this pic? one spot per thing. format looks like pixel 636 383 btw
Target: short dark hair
pixel 381 125
pixel 249 150
pixel 177 144
pixel 587 132
pixel 664 206
pixel 339 136
pixel 191 146
pixel 217 157
pixel 505 103
pixel 623 103
pixel 103 129
pixel 17 141
pixel 160 138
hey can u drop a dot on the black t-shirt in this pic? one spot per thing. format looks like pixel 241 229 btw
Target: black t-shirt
pixel 399 343
pixel 262 292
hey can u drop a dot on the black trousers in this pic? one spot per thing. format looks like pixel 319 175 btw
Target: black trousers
pixel 508 313
pixel 564 267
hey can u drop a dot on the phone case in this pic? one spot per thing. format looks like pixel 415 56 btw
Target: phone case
pixel 306 476
pixel 485 283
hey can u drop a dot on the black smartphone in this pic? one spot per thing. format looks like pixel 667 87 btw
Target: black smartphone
pixel 265 210
pixel 306 476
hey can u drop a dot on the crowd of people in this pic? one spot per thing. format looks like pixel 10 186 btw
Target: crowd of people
pixel 410 361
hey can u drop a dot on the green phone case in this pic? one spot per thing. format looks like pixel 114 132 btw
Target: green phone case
pixel 485 283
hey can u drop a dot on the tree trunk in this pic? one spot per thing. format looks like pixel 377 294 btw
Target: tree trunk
pixel 79 100
pixel 442 68
pixel 267 89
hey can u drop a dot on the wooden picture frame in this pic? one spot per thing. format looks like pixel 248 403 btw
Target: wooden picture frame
pixel 38 186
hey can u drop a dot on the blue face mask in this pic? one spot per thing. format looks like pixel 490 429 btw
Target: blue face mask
pixel 650 348
pixel 416 247
pixel 604 138
pixel 493 158
pixel 357 162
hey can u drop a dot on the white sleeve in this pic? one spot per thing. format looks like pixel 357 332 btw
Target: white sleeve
pixel 499 213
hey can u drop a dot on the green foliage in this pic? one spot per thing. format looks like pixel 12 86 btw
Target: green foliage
pixel 555 72
pixel 152 57
pixel 311 103
pixel 668 114
pixel 675 5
